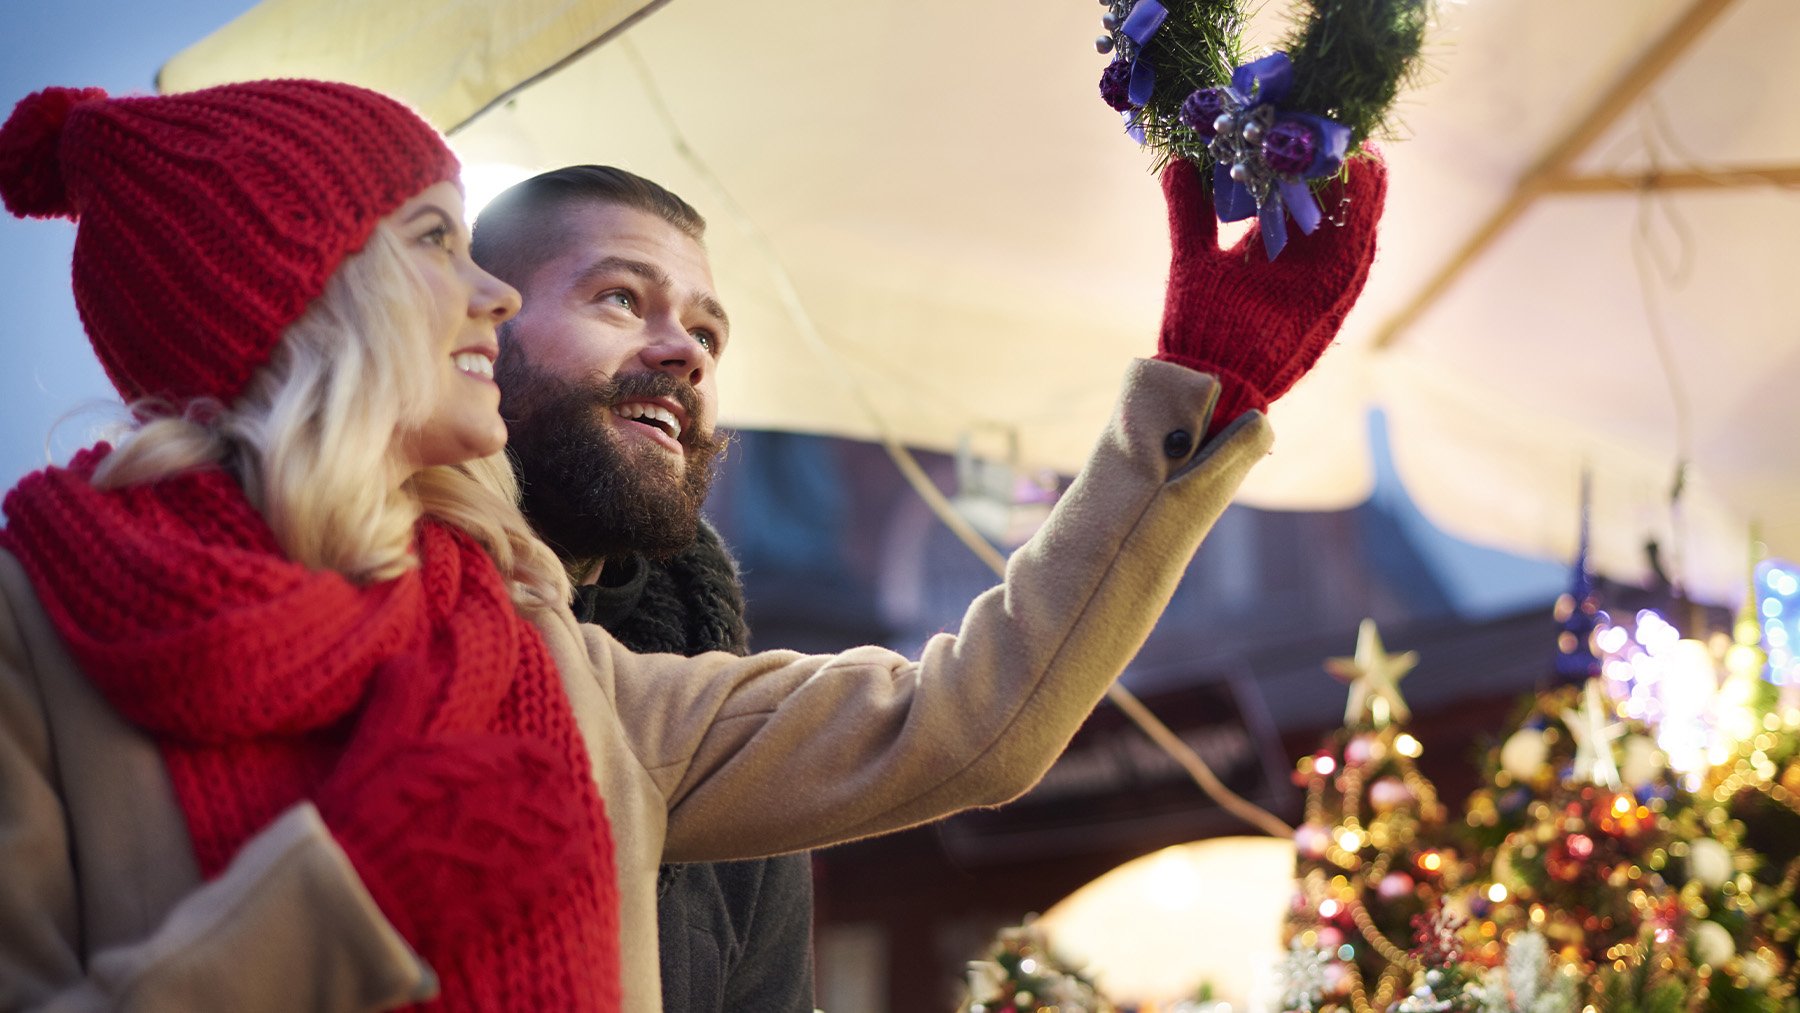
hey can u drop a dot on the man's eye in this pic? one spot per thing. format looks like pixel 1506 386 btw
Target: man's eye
pixel 618 297
pixel 707 339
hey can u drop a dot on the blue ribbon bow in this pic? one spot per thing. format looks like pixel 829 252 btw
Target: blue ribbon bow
pixel 1254 96
pixel 1140 25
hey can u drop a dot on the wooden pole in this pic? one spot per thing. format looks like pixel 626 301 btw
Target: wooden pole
pixel 1686 179
pixel 1555 162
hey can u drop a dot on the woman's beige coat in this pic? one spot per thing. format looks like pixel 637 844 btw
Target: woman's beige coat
pixel 714 757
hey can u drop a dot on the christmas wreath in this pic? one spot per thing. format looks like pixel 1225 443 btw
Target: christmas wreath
pixel 1269 129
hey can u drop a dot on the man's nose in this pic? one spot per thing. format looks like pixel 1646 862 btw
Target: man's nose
pixel 673 350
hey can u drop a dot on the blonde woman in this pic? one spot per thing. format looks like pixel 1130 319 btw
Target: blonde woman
pixel 293 715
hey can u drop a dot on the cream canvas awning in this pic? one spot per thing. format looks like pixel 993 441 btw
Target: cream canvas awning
pixel 936 188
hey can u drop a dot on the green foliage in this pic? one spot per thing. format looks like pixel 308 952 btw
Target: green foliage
pixel 1350 60
pixel 1643 987
pixel 1197 47
pixel 1021 974
pixel 1725 996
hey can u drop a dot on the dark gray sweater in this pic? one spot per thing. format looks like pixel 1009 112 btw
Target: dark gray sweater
pixel 733 936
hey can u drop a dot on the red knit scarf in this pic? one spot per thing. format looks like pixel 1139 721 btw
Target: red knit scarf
pixel 249 670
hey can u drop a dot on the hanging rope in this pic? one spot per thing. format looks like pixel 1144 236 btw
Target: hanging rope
pixel 1180 751
pixel 1652 263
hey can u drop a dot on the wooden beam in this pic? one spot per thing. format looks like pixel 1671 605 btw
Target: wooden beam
pixel 1686 179
pixel 1555 162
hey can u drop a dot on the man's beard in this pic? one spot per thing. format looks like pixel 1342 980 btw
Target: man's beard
pixel 588 495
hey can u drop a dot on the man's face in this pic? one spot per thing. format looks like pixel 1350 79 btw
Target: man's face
pixel 608 388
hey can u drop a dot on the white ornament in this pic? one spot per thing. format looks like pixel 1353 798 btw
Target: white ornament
pixel 1709 862
pixel 1423 1000
pixel 1595 732
pixel 1489 992
pixel 1560 997
pixel 985 980
pixel 1524 754
pixel 1758 970
pixel 1301 976
pixel 1711 944
pixel 1527 967
pixel 1643 764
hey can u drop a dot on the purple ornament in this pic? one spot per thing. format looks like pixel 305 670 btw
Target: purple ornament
pixel 1202 108
pixel 1289 147
pixel 1115 85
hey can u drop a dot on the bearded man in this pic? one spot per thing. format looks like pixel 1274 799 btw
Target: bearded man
pixel 609 391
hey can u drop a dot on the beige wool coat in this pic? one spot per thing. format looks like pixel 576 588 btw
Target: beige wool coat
pixel 714 757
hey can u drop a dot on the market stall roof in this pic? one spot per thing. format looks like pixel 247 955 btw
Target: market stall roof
pixel 927 225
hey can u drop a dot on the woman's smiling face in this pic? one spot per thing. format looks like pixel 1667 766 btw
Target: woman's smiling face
pixel 463 307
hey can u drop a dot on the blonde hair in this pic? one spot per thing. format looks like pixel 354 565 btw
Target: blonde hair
pixel 313 440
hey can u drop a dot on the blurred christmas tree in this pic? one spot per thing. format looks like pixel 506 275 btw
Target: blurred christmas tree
pixel 1375 848
pixel 1564 846
pixel 1617 822
pixel 1635 849
pixel 1020 974
pixel 1757 786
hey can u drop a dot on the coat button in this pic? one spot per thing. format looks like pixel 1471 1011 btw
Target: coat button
pixel 1178 443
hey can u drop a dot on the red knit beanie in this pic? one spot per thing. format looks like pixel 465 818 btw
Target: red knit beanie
pixel 207 221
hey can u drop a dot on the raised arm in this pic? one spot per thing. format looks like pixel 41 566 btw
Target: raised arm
pixel 778 751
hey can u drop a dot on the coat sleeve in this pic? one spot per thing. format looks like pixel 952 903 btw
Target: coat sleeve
pixel 778 752
pixel 286 927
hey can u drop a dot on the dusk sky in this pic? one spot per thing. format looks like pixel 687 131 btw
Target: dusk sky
pixel 117 46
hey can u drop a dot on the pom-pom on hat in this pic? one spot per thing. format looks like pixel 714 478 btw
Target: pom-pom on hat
pixel 207 221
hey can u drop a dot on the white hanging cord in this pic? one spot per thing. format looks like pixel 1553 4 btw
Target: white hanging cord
pixel 1134 708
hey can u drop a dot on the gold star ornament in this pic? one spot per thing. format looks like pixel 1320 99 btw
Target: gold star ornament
pixel 1374 676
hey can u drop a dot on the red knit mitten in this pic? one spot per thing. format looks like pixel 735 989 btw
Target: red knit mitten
pixel 446 831
pixel 1259 325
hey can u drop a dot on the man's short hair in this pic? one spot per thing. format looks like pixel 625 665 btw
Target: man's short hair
pixel 526 224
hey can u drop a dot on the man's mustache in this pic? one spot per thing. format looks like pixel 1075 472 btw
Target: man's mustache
pixel 621 388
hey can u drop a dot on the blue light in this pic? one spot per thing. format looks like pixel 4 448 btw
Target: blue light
pixel 1780 607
